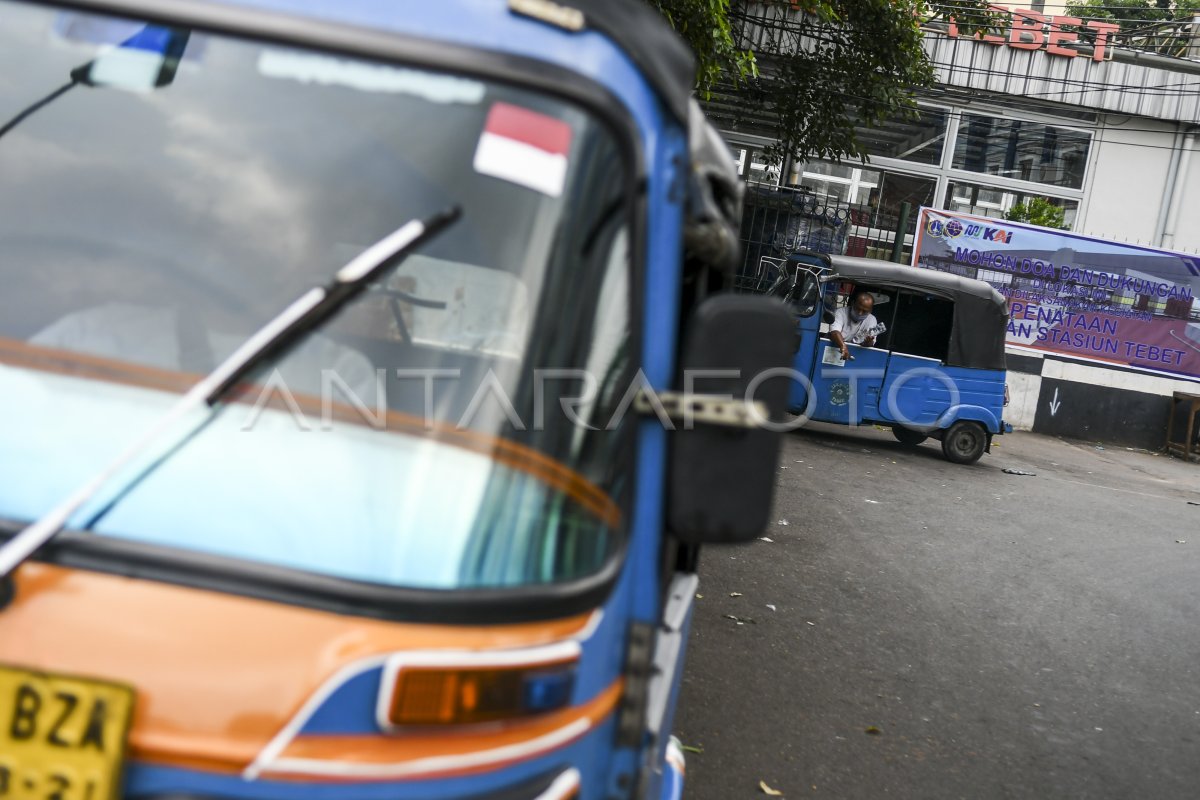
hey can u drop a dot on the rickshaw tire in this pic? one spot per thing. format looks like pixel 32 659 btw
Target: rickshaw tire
pixel 907 436
pixel 964 442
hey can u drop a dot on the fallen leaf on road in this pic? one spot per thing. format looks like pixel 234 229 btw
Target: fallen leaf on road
pixel 687 748
pixel 810 623
pixel 766 539
pixel 876 502
pixel 1017 472
pixel 770 606
pixel 699 597
pixel 735 594
pixel 782 522
pixel 768 790
pixel 740 620
pixel 1181 541
pixel 1193 503
pixel 871 729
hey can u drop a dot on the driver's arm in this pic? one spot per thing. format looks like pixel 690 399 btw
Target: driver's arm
pixel 835 332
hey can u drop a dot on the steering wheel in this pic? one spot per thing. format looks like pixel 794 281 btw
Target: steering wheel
pixel 397 296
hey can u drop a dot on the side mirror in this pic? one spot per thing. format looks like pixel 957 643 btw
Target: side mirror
pixel 722 470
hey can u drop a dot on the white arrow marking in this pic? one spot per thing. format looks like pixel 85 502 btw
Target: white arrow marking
pixel 1054 404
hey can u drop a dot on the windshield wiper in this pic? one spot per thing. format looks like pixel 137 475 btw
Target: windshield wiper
pixel 273 340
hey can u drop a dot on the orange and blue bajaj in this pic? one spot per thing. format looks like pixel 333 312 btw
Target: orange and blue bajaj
pixel 372 571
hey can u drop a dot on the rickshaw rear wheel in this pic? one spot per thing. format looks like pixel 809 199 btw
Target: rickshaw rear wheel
pixel 964 442
pixel 907 436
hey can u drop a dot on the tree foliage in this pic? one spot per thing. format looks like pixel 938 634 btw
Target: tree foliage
pixel 860 65
pixel 1134 14
pixel 706 27
pixel 1038 211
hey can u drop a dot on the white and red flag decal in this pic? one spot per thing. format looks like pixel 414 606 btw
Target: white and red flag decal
pixel 524 147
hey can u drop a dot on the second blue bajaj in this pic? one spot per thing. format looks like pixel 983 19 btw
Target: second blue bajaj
pixel 935 365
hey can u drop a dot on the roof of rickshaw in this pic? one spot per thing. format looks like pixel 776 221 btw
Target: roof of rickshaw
pixel 875 269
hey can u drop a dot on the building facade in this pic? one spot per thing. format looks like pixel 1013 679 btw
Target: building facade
pixel 1103 125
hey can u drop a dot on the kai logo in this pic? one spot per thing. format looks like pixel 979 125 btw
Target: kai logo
pixel 996 235
pixel 953 229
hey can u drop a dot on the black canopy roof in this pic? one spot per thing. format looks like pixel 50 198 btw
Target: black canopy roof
pixel 873 269
pixel 650 43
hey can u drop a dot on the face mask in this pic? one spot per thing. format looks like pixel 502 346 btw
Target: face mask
pixel 857 317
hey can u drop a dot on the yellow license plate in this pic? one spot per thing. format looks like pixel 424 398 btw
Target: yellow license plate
pixel 61 737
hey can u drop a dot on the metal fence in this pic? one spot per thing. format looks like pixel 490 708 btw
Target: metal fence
pixel 778 221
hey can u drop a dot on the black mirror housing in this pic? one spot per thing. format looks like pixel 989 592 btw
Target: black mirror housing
pixel 722 476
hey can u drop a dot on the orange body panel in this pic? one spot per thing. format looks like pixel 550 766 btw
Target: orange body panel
pixel 217 676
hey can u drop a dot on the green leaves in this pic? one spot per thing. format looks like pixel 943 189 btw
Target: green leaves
pixel 817 66
pixel 1133 14
pixel 1038 211
pixel 705 25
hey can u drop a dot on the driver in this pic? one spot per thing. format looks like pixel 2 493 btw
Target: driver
pixel 854 323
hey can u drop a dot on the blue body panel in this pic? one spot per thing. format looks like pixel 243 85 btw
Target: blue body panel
pixel 808 330
pixel 849 394
pixel 922 393
pixel 589 755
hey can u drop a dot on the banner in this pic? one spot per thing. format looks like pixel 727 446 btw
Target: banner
pixel 1077 295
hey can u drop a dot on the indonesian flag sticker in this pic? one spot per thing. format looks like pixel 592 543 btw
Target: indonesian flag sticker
pixel 524 147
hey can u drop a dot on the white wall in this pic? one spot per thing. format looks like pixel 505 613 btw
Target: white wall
pixel 1102 376
pixel 1023 391
pixel 1187 225
pixel 1128 173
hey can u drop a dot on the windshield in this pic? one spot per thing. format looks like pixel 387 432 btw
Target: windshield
pixel 164 193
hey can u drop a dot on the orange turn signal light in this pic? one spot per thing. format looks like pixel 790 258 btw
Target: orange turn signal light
pixel 463 696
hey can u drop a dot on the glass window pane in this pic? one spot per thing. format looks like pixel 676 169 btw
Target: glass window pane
pixel 878 218
pixel 760 170
pixel 830 191
pixel 917 140
pixel 829 168
pixel 841 183
pixel 187 216
pixel 1022 150
pixel 989 201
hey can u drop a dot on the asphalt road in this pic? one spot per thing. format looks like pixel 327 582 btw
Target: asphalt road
pixel 942 631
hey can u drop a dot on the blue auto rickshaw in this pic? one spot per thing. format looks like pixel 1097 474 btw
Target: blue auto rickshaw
pixel 936 368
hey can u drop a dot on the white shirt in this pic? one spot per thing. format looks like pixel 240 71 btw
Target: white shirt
pixel 852 332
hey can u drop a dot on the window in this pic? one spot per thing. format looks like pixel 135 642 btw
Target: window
pixel 920 140
pixel 1021 149
pixel 875 197
pixel 883 310
pixel 799 289
pixel 753 166
pixel 990 201
pixel 187 216
pixel 840 183
pixel 922 325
